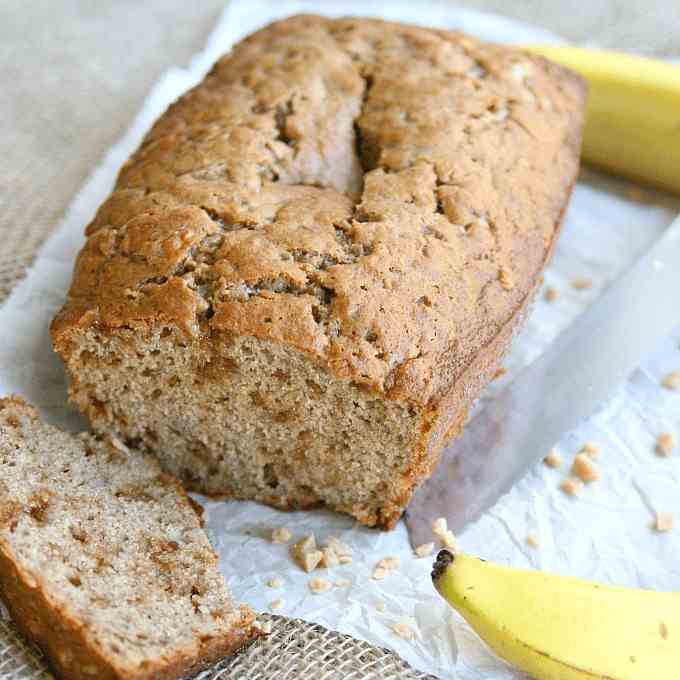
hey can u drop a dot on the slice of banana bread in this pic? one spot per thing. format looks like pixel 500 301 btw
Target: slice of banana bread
pixel 317 258
pixel 103 561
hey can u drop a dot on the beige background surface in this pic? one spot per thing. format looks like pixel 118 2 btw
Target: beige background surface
pixel 74 72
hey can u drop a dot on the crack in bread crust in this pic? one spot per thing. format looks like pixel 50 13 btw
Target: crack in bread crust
pixel 378 197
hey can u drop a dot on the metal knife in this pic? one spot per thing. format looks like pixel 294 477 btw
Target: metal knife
pixel 552 395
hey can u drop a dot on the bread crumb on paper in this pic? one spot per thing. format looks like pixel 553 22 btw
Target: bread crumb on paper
pixel 319 585
pixel 424 550
pixel 551 294
pixel 275 583
pixel 664 522
pixel 533 541
pixel 389 563
pixel 584 469
pixel 665 443
pixel 672 381
pixel 581 283
pixel 663 630
pixel 345 559
pixel 343 583
pixel 381 607
pixel 572 486
pixel 553 459
pixel 281 535
pixel 403 630
pixel 276 604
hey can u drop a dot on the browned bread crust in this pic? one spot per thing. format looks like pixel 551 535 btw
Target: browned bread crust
pixel 379 199
pixel 76 643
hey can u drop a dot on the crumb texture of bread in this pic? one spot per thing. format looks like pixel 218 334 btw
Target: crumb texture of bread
pixel 314 262
pixel 103 561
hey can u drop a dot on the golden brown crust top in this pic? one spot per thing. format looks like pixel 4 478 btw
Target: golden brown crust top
pixel 379 195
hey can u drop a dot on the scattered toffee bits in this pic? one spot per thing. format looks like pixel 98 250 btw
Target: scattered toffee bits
pixel 572 486
pixel 281 535
pixel 665 443
pixel 424 550
pixel 665 521
pixel 672 381
pixel 553 459
pixel 551 294
pixel 582 284
pixel 584 469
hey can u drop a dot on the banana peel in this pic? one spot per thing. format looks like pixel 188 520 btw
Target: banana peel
pixel 632 123
pixel 563 628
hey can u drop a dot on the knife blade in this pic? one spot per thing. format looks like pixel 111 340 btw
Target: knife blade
pixel 566 384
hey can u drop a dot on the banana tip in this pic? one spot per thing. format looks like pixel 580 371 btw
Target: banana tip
pixel 444 560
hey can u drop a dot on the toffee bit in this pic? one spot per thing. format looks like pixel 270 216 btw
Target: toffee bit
pixel 584 469
pixel 591 449
pixel 664 522
pixel 551 294
pixel 581 284
pixel 665 443
pixel 553 459
pixel 425 549
pixel 281 535
pixel 572 486
pixel 319 585
pixel 672 381
pixel 403 630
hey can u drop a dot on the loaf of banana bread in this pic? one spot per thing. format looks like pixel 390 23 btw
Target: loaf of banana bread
pixel 316 259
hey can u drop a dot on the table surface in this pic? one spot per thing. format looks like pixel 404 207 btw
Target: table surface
pixel 74 73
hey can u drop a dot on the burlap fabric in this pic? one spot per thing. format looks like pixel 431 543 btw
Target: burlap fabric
pixel 295 650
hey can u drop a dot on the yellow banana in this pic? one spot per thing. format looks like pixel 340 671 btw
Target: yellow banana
pixel 633 114
pixel 563 628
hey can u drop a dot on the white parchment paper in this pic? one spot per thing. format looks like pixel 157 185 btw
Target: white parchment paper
pixel 605 534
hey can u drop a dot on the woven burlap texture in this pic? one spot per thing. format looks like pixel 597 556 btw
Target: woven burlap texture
pixel 294 650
